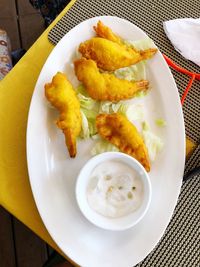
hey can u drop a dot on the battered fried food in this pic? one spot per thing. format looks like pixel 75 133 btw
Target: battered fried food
pixel 63 97
pixel 105 32
pixel 105 86
pixel 119 131
pixel 110 55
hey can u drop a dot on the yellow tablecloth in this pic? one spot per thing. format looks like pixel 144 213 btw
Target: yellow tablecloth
pixel 15 95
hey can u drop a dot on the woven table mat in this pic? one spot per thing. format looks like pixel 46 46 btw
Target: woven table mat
pixel 179 246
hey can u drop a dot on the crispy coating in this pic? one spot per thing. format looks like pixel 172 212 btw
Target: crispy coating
pixel 62 96
pixel 105 32
pixel 119 131
pixel 110 55
pixel 105 86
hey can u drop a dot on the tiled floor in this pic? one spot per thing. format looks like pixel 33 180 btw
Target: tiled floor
pixel 19 247
pixel 22 22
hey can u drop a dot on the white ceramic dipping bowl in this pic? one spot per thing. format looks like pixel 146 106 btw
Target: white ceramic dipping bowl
pixel 120 223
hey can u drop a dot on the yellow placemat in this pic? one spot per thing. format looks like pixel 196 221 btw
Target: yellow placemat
pixel 15 95
pixel 190 146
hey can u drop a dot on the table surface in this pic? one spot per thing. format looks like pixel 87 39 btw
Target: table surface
pixel 15 95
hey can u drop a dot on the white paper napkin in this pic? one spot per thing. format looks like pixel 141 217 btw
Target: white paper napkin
pixel 184 34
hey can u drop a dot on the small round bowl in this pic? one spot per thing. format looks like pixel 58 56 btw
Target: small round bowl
pixel 108 223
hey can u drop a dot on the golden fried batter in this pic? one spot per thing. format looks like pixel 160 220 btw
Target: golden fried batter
pixel 105 32
pixel 119 131
pixel 105 86
pixel 110 55
pixel 63 97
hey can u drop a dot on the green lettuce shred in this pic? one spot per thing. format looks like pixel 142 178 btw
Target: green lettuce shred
pixel 103 146
pixel 81 90
pixel 160 122
pixel 84 127
pixel 141 94
pixel 141 44
pixel 153 143
pixel 135 72
pixel 109 107
pixel 135 112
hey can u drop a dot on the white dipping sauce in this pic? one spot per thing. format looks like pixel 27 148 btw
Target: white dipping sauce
pixel 114 189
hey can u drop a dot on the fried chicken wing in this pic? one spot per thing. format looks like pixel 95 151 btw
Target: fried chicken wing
pixel 62 96
pixel 105 86
pixel 111 55
pixel 119 131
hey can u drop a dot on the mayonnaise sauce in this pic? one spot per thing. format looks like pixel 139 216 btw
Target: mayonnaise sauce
pixel 114 189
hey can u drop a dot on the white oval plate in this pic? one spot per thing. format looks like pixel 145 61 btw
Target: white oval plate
pixel 53 174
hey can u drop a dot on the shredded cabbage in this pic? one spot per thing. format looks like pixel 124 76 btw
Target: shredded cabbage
pixel 109 107
pixel 88 126
pixel 86 102
pixel 135 112
pixel 103 146
pixel 141 44
pixel 96 137
pixel 105 107
pixel 145 126
pixel 89 111
pixel 85 127
pixel 160 122
pixel 141 94
pixel 90 114
pixel 120 107
pixel 88 123
pixel 92 126
pixel 91 108
pixel 135 72
pixel 81 90
pixel 153 143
